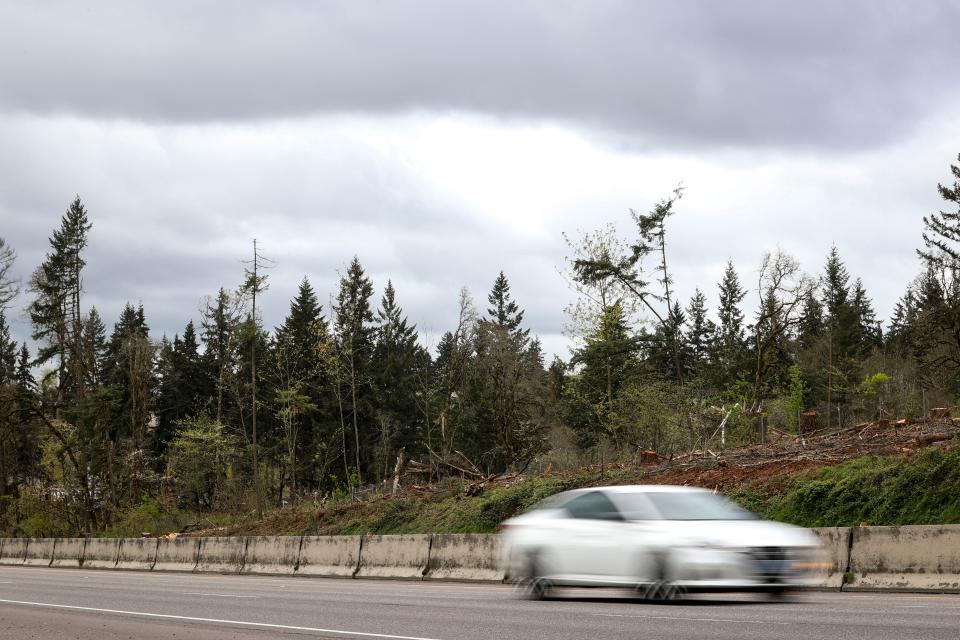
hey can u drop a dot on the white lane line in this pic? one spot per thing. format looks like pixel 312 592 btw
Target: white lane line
pixel 216 595
pixel 238 623
pixel 631 615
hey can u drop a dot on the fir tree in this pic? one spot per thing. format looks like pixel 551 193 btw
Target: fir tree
pixel 700 334
pixel 24 375
pixel 395 361
pixel 941 235
pixel 730 347
pixel 354 337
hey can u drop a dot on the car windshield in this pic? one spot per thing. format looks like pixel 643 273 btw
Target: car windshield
pixel 682 505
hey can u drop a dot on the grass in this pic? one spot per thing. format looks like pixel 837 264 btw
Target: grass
pixel 922 489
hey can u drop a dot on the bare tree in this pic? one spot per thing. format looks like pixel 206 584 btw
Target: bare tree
pixel 782 288
pixel 461 350
pixel 254 284
pixel 9 287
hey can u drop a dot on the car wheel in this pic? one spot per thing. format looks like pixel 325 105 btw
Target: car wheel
pixel 534 586
pixel 782 594
pixel 659 587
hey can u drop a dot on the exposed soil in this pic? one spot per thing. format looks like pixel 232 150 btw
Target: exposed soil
pixel 772 465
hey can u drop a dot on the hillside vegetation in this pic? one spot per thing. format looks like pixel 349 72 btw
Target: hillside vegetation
pixel 917 488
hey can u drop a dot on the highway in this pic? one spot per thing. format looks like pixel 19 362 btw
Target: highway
pixel 110 605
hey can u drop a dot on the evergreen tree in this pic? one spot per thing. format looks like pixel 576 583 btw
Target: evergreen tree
pixel 868 332
pixel 729 353
pixel 95 345
pixel 221 328
pixel 508 422
pixel 354 338
pixel 24 375
pixel 812 325
pixel 503 312
pixel 668 348
pixel 604 364
pixel 302 379
pixel 701 333
pixel 130 373
pixel 182 376
pixel 396 357
pixel 941 235
pixel 55 311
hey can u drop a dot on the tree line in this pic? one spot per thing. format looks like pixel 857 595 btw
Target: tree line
pixel 230 415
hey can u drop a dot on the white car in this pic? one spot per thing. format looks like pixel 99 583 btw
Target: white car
pixel 662 541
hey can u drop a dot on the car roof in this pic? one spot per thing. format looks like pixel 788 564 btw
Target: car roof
pixel 641 488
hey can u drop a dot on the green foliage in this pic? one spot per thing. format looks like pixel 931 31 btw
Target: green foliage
pixel 39 517
pixel 148 517
pixel 795 396
pixel 879 491
pixel 201 457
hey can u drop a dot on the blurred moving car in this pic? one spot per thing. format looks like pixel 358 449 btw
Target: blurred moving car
pixel 662 541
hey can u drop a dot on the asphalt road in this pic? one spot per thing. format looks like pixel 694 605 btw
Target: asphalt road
pixel 107 605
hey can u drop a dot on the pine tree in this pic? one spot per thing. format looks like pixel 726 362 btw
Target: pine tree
pixel 700 334
pixel 812 326
pixel 395 361
pixel 509 383
pixel 221 328
pixel 129 371
pixel 729 353
pixel 95 345
pixel 941 235
pixel 604 362
pixel 301 376
pixel 55 311
pixel 182 377
pixel 504 312
pixel 836 289
pixel 24 375
pixel 354 337
pixel 868 332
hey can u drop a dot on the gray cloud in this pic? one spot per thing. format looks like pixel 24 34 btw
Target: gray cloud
pixel 811 74
pixel 442 142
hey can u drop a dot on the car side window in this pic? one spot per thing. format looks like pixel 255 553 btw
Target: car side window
pixel 635 506
pixel 593 506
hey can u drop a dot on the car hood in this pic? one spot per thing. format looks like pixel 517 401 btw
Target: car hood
pixel 734 533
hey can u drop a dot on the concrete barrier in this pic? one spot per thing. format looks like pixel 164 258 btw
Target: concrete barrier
pixel 177 554
pixel 68 552
pixel 137 554
pixel 272 555
pixel 221 555
pixel 906 558
pixel 329 556
pixel 101 553
pixel 13 550
pixel 403 556
pixel 836 545
pixel 39 552
pixel 471 556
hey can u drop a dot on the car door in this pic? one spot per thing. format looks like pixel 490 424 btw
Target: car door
pixel 592 549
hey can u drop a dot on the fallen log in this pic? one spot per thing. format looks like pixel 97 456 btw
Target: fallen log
pixel 930 438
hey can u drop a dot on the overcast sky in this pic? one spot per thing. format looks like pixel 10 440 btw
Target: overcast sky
pixel 444 141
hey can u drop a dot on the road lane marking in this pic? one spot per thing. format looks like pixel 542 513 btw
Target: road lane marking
pixel 216 595
pixel 238 623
